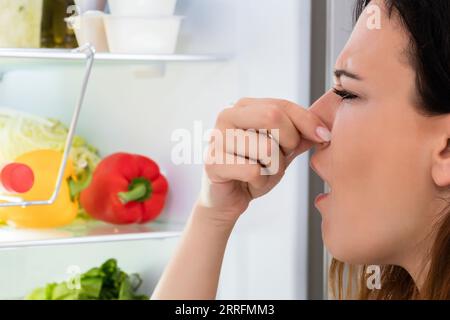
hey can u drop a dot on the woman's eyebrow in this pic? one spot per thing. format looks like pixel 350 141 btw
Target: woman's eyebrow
pixel 338 73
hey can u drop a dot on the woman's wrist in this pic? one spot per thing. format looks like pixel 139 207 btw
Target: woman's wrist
pixel 213 218
pixel 194 271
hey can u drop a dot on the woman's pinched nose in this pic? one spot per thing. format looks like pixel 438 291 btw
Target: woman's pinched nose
pixel 326 107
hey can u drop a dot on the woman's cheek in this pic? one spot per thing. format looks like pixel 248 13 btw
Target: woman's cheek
pixel 348 215
pixel 352 150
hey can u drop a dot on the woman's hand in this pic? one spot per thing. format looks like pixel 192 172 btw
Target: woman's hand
pixel 237 173
pixel 229 186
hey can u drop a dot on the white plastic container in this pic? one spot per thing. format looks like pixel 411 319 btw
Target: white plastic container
pixel 89 5
pixel 156 35
pixel 142 8
pixel 90 28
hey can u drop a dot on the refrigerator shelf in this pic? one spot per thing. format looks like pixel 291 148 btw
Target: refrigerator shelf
pixel 12 59
pixel 86 232
pixel 24 58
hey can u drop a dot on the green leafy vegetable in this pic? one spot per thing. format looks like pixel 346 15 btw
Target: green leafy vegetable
pixel 108 282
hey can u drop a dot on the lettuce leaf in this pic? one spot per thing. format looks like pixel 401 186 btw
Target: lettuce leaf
pixel 108 282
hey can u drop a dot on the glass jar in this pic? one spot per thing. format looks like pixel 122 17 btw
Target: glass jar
pixel 55 31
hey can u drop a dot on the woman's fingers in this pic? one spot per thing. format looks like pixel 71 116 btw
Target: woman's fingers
pixel 262 117
pixel 252 144
pixel 302 147
pixel 304 121
pixel 266 130
pixel 234 167
pixel 293 122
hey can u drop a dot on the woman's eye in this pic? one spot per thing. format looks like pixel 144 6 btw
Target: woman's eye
pixel 344 94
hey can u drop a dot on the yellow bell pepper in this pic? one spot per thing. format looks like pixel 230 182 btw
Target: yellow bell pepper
pixel 45 165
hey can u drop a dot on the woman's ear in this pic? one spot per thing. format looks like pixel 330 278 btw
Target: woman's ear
pixel 440 170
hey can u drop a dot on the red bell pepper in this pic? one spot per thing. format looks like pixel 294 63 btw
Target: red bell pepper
pixel 125 189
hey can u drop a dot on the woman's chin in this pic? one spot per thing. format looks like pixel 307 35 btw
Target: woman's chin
pixel 344 249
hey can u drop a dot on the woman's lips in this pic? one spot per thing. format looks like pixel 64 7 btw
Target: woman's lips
pixel 321 197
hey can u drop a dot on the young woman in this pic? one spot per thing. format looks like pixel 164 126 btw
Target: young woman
pixel 382 144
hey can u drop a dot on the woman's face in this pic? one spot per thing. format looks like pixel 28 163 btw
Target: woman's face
pixel 380 159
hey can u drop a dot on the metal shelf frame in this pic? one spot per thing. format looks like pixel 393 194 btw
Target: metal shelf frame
pixel 86 52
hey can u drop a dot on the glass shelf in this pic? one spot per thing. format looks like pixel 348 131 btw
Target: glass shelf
pixel 11 59
pixel 91 231
pixel 84 231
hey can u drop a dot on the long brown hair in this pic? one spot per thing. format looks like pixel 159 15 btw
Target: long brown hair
pixel 428 24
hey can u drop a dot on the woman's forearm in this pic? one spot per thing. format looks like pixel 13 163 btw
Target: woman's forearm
pixel 193 272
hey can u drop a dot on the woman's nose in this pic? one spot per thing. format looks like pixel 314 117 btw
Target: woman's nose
pixel 326 107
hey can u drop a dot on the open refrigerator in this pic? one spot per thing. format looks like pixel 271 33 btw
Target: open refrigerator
pixel 227 49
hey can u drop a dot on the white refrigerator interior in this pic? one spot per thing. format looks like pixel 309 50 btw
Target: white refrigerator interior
pixel 137 109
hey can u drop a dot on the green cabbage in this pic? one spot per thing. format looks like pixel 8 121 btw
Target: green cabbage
pixel 20 23
pixel 22 132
